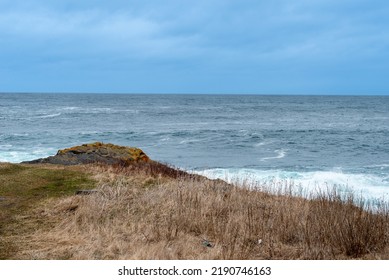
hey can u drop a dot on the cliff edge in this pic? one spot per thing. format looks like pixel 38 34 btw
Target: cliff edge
pixel 95 153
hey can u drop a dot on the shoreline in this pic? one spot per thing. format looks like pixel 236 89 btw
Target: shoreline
pixel 304 184
pixel 367 185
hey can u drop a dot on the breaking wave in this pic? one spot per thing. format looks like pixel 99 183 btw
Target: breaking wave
pixel 367 185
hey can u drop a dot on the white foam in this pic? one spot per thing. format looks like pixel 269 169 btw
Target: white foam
pixel 367 185
pixel 92 132
pixel 87 110
pixel 70 108
pixel 280 154
pixel 190 141
pixel 103 109
pixel 26 155
pixel 48 116
pixel 379 165
pixel 261 144
pixel 20 134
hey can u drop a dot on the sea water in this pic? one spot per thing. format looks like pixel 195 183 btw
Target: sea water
pixel 308 141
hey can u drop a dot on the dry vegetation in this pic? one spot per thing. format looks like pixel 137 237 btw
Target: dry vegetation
pixel 150 211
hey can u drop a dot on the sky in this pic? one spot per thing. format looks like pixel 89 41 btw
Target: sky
pixel 203 46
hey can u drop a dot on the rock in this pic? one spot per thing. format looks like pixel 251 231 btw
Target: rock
pixel 95 153
pixel 207 243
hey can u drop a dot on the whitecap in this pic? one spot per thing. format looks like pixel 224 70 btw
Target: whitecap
pixel 43 116
pixel 89 132
pixel 263 143
pixel 379 165
pixel 70 108
pixel 26 155
pixel 128 111
pixel 280 154
pixel 102 109
pixel 44 152
pixel 189 141
pixel 48 116
pixel 305 183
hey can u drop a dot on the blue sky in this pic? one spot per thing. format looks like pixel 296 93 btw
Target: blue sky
pixel 203 46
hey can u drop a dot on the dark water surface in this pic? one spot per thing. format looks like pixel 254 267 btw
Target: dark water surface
pixel 313 140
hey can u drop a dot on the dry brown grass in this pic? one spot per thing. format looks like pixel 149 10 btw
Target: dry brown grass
pixel 153 212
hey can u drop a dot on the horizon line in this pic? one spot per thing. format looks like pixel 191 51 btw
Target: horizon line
pixel 199 93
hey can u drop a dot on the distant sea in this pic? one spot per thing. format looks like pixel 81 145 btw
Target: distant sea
pixel 311 141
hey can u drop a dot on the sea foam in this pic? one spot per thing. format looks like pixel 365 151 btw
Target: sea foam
pixel 279 154
pixel 304 183
pixel 17 156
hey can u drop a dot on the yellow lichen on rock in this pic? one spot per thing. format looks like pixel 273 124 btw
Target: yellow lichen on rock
pixel 97 153
pixel 84 148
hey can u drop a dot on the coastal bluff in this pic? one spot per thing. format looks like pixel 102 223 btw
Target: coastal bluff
pixel 97 152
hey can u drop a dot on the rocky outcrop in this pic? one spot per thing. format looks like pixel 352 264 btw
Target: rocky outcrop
pixel 95 153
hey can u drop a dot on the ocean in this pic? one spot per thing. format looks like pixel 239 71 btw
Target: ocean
pixel 311 142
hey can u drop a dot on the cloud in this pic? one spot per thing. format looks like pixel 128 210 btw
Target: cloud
pixel 195 39
pixel 228 29
pixel 93 29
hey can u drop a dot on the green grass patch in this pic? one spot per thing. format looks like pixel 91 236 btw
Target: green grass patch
pixel 23 186
pixel 27 182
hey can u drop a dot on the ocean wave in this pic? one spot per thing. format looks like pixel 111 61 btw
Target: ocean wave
pixel 96 110
pixel 13 136
pixel 190 141
pixel 263 143
pixel 281 153
pixel 25 154
pixel 378 165
pixel 70 108
pixel 89 132
pixel 367 185
pixel 5 146
pixel 47 116
pixel 164 139
pixel 39 116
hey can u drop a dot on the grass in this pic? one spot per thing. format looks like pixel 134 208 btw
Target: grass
pixel 152 211
pixel 22 187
